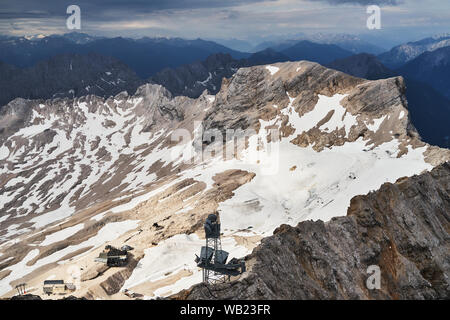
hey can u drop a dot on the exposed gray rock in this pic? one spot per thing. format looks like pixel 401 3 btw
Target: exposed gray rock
pixel 429 108
pixel 403 228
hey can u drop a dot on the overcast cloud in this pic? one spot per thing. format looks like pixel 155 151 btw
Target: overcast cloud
pixel 244 19
pixel 362 2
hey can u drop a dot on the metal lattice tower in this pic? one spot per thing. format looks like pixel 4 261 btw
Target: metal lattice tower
pixel 213 259
pixel 211 276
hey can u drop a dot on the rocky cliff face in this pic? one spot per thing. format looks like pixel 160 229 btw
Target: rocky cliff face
pixel 429 108
pixel 403 228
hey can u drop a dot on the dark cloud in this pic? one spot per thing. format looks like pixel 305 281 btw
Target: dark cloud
pixel 214 18
pixel 230 14
pixel 13 9
pixel 362 2
pixel 24 14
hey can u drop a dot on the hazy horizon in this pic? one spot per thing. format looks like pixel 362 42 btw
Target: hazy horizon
pixel 252 21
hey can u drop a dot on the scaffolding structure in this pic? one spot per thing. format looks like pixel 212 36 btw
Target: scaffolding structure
pixel 213 259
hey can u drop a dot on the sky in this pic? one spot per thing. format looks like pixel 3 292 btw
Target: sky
pixel 249 20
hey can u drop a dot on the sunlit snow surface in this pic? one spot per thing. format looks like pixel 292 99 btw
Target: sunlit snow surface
pixel 272 69
pixel 320 187
pixel 292 184
pixel 174 255
pixel 67 147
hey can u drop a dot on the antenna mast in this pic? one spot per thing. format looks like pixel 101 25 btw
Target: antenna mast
pixel 213 259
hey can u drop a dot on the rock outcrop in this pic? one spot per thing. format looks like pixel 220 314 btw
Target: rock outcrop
pixel 403 228
pixel 428 107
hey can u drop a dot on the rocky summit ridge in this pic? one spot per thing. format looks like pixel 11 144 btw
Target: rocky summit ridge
pixel 78 174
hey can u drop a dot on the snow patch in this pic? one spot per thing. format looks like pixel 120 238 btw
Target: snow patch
pixel 376 124
pixel 172 256
pixel 4 152
pixel 340 118
pixel 61 235
pixel 272 69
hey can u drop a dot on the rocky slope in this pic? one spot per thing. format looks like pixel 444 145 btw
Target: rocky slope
pixel 266 56
pixel 430 110
pixel 145 170
pixel 403 228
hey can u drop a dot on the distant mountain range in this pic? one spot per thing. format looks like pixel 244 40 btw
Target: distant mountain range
pixel 321 53
pixel 266 56
pixel 347 42
pixel 67 75
pixel 145 56
pixel 362 65
pixel 192 79
pixel 77 37
pixel 38 67
pixel 236 44
pixel 189 67
pixel 432 68
pixel 401 54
